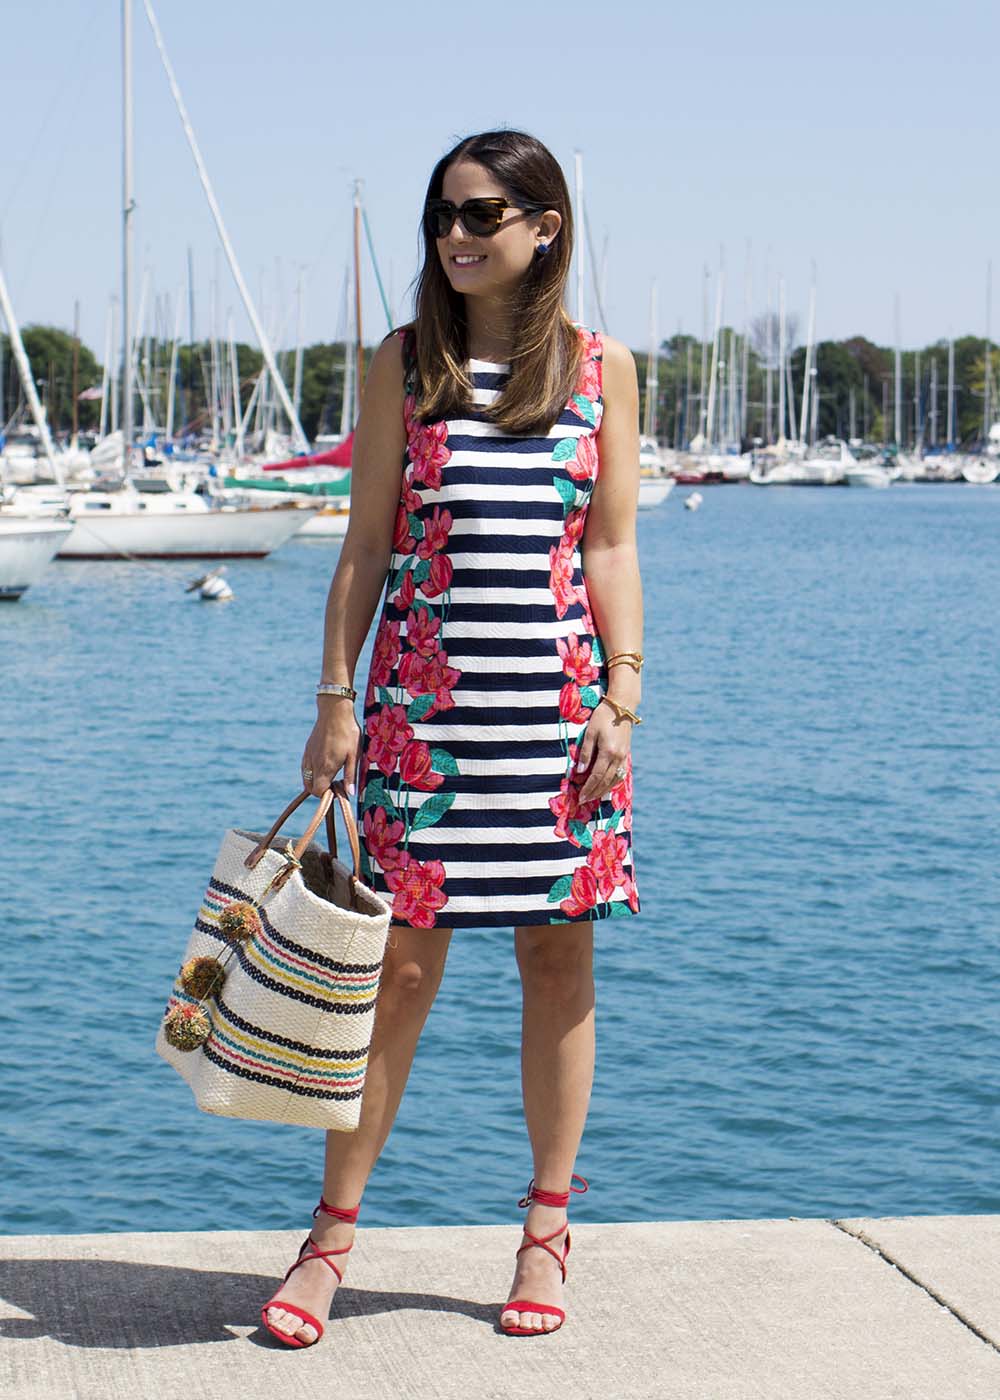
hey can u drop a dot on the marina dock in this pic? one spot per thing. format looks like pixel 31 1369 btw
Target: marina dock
pixel 898 1308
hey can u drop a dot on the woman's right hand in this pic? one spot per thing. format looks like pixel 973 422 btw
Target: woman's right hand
pixel 334 744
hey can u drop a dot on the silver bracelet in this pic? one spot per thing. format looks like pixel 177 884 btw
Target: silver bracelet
pixel 346 691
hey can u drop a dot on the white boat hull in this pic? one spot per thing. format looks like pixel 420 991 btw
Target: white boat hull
pixel 876 477
pixel 325 525
pixel 212 534
pixel 26 546
pixel 653 490
pixel 980 473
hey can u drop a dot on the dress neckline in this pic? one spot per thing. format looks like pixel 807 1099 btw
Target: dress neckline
pixel 490 364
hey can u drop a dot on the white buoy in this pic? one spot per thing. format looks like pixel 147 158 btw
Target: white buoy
pixel 212 587
pixel 693 501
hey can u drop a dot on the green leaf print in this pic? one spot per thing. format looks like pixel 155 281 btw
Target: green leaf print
pixel 416 527
pixel 567 491
pixel 565 448
pixel 615 820
pixel 589 696
pixel 375 795
pixel 618 909
pixel 586 408
pixel 596 651
pixel 422 571
pixel 431 811
pixel 442 762
pixel 582 834
pixel 385 697
pixel 560 890
pixel 401 573
pixel 418 708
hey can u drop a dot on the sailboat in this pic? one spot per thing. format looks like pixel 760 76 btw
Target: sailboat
pixel 130 524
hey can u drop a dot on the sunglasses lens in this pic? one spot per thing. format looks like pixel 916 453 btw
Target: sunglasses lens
pixel 481 218
pixel 440 217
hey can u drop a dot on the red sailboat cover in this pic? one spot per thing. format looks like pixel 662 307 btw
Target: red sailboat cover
pixel 339 456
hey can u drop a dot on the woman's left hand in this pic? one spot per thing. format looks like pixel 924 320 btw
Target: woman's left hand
pixel 605 748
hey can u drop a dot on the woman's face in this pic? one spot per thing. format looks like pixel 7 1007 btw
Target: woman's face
pixel 493 265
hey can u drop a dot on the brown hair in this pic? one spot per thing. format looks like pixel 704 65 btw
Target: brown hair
pixel 545 355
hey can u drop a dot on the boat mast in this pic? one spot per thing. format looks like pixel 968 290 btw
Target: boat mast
pixel 988 359
pixel 781 359
pixel 578 169
pixel 710 414
pixel 934 399
pixel 172 373
pixel 359 351
pixel 702 399
pixel 74 438
pixel 652 368
pixel 297 380
pixel 106 372
pixel 27 379
pixel 807 385
pixel 951 393
pixel 897 387
pixel 262 340
pixel 128 209
pixel 918 431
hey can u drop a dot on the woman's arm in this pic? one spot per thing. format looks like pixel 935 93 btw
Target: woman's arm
pixel 376 464
pixel 611 568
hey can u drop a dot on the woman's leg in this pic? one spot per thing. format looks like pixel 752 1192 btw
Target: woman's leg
pixel 411 975
pixel 557 1071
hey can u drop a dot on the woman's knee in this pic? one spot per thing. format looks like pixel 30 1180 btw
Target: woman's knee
pixel 555 964
pixel 412 974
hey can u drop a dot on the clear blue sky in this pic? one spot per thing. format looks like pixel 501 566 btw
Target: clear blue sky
pixel 861 136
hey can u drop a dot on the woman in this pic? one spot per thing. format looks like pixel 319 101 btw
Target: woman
pixel 494 756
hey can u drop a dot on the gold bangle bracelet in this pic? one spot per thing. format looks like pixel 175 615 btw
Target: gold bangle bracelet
pixel 621 711
pixel 625 661
pixel 345 692
pixel 628 656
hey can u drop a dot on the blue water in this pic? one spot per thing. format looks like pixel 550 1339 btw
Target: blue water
pixel 802 1022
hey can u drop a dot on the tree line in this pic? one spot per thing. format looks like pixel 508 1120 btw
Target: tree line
pixel 854 379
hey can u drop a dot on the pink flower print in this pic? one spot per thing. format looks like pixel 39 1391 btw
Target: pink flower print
pixel 388 731
pixel 561 579
pixel 415 767
pixel 411 673
pixel 571 706
pixel 409 499
pixel 631 893
pixel 440 678
pixel 422 628
pixel 573 528
pixel 582 893
pixel 621 796
pixel 438 581
pixel 576 659
pixel 584 467
pixel 410 415
pixel 588 381
pixel 428 453
pixel 402 540
pixel 407 592
pixel 385 653
pixel 435 533
pixel 605 859
pixel 381 838
pixel 566 807
pixel 418 889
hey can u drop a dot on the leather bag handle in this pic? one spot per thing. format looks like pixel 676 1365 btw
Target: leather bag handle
pixel 325 803
pixel 339 791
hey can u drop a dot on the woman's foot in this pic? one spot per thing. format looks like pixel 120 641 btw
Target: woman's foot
pixel 313 1284
pixel 537 1276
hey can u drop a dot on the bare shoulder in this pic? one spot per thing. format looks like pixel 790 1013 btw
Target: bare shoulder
pixel 621 383
pixel 385 372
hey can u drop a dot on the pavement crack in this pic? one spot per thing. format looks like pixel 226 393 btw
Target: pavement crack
pixel 943 1302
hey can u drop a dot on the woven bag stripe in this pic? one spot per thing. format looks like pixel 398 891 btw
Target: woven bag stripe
pixel 290 1087
pixel 266 952
pixel 270 974
pixel 344 1007
pixel 288 944
pixel 340 1064
pixel 365 980
pixel 335 1078
pixel 234 1020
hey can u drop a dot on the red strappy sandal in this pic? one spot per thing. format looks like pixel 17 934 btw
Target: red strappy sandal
pixel 522 1305
pixel 287 1338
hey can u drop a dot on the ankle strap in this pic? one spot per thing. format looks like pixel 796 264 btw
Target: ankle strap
pixel 349 1216
pixel 559 1199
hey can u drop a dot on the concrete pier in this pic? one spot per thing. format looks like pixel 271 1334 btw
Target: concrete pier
pixel 799 1309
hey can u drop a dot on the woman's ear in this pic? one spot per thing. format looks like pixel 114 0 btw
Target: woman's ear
pixel 549 225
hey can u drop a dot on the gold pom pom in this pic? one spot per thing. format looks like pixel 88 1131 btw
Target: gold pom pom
pixel 187 1027
pixel 201 976
pixel 239 922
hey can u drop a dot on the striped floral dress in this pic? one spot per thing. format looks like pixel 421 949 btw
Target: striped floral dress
pixel 486 667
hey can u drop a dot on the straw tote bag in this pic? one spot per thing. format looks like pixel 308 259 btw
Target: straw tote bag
pixel 272 1011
